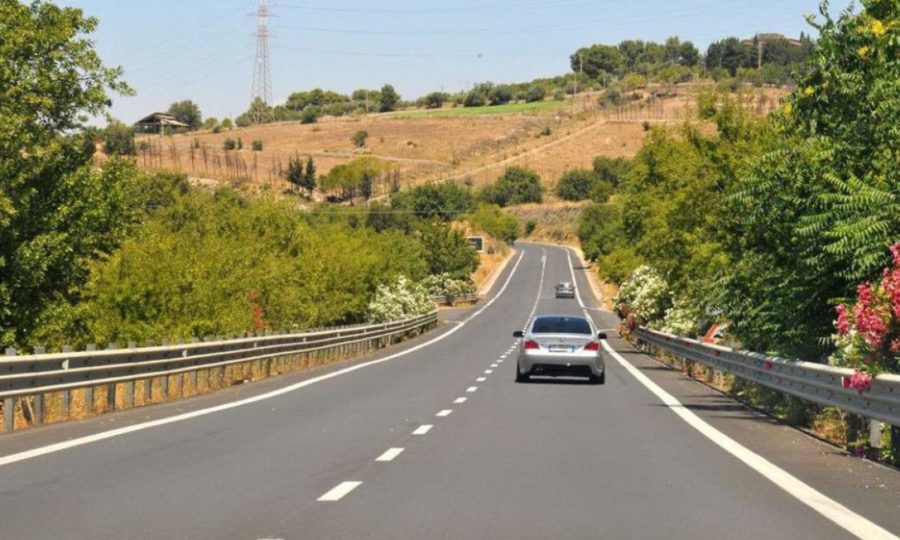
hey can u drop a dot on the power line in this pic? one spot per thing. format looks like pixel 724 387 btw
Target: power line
pixel 458 9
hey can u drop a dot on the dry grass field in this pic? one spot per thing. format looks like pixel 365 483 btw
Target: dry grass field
pixel 471 145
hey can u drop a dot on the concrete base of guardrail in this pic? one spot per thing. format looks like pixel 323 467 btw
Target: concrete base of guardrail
pixel 92 400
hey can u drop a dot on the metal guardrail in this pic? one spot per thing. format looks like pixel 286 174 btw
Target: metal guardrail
pixel 38 374
pixel 818 383
pixel 451 299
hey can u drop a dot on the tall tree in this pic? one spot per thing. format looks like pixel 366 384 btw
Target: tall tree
pixel 598 61
pixel 56 212
pixel 309 176
pixel 388 98
pixel 188 112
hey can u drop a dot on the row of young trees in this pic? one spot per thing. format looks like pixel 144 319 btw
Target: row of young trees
pixel 769 222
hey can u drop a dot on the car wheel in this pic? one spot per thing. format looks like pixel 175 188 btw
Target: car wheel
pixel 521 377
pixel 601 379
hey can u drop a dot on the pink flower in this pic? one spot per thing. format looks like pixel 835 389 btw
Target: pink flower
pixel 895 346
pixel 860 381
pixel 870 324
pixel 895 251
pixel 864 292
pixel 843 324
pixel 890 283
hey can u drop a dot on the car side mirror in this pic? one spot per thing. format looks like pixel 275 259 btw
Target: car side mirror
pixel 518 333
pixel 601 335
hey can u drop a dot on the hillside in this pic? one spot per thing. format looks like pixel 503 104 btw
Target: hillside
pixel 465 144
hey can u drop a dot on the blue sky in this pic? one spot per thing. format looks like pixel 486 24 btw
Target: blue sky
pixel 204 49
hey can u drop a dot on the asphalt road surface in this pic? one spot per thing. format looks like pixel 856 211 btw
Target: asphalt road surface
pixel 434 439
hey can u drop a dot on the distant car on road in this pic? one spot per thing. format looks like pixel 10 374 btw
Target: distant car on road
pixel 560 345
pixel 565 290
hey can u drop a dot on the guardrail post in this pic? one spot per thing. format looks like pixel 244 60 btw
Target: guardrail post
pixel 875 428
pixel 9 414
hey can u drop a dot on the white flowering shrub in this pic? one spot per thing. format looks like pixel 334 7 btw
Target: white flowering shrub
pixel 399 300
pixel 645 295
pixel 681 319
pixel 445 285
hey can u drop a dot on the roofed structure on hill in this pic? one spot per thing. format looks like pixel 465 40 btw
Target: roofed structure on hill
pixel 158 122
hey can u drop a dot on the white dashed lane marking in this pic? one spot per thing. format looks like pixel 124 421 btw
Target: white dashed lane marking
pixel 390 454
pixel 495 363
pixel 445 412
pixel 488 371
pixel 423 429
pixel 460 400
pixel 471 389
pixel 339 491
pixel 481 379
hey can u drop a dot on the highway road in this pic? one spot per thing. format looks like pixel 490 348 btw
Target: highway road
pixel 434 439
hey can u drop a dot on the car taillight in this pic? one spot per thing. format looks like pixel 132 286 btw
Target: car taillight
pixel 592 346
pixel 532 344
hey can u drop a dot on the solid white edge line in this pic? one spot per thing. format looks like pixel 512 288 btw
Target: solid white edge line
pixel 460 400
pixel 423 429
pixel 834 511
pixel 445 412
pixel 339 491
pixel 390 454
pixel 96 437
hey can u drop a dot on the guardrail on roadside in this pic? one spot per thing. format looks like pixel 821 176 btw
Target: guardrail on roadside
pixel 814 382
pixel 117 370
pixel 452 299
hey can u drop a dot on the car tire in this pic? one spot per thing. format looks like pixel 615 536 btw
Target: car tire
pixel 599 379
pixel 520 377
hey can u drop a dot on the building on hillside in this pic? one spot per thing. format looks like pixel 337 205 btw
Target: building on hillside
pixel 158 123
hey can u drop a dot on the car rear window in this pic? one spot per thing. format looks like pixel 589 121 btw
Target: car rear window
pixel 561 325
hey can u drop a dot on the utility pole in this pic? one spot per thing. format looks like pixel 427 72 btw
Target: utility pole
pixel 262 74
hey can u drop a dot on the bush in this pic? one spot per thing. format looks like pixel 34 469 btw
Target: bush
pixel 240 143
pixel 359 138
pixel 257 145
pixel 576 185
pixel 445 201
pixel 447 251
pixel 434 100
pixel 601 191
pixel 489 219
pixel 535 94
pixel 401 299
pixel 644 295
pixel 530 226
pixel 517 185
pixel 118 140
pixel 501 95
pixel 446 285
pixel 611 97
pixel 309 115
pixel 475 98
pixel 612 170
pixel 546 131
pixel 229 144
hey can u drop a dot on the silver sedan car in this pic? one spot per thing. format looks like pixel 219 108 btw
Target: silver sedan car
pixel 560 345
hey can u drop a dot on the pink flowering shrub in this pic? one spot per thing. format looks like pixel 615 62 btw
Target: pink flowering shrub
pixel 868 332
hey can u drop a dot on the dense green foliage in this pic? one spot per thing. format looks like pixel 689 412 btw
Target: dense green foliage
pixel 582 184
pixel 348 180
pixel 517 185
pixel 489 219
pixel 771 221
pixel 444 202
pixel 56 213
pixel 212 262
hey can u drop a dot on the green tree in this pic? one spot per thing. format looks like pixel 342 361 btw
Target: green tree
pixel 187 112
pixel 729 54
pixel 443 202
pixel 576 184
pixel 517 185
pixel 118 139
pixel 309 177
pixel 388 99
pixel 434 100
pixel 446 251
pixel 294 172
pixel 823 204
pixel 598 61
pixel 611 170
pixel 490 219
pixel 56 212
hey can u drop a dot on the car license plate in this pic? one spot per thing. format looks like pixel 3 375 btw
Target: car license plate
pixel 560 348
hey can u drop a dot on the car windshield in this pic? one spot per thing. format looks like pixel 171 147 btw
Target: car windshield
pixel 561 325
pixel 564 285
